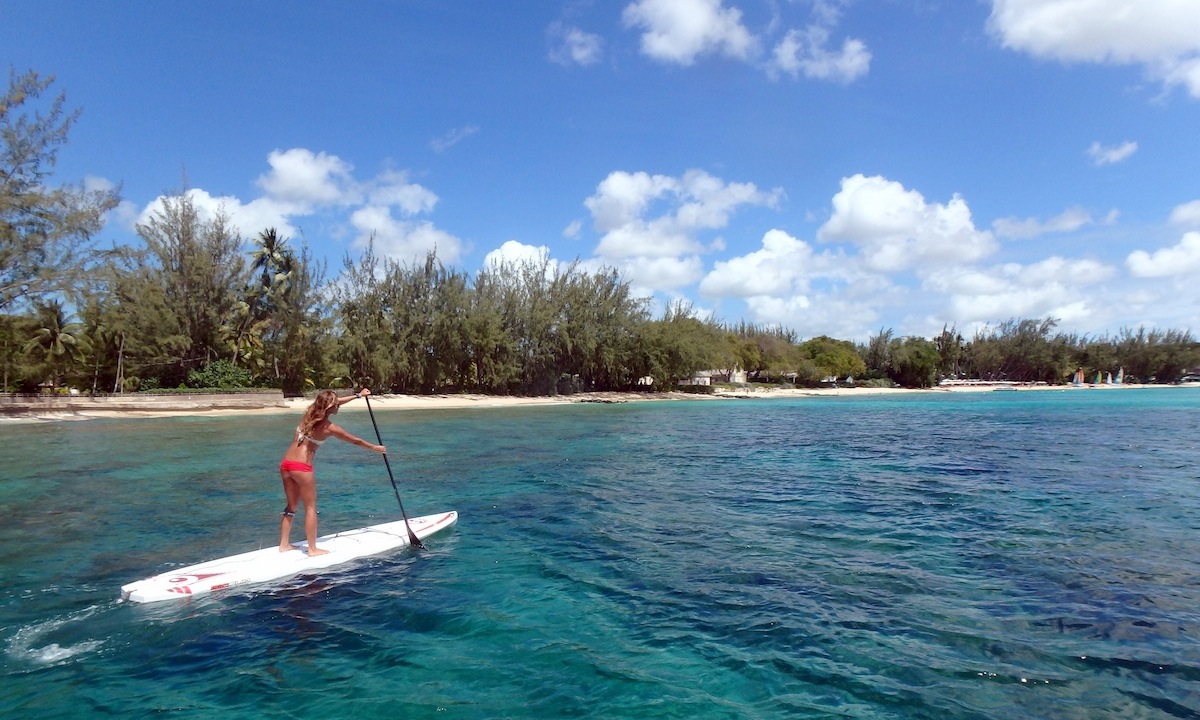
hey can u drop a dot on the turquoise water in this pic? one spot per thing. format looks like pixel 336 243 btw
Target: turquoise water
pixel 994 555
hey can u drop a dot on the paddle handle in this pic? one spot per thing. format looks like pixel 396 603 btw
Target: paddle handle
pixel 412 536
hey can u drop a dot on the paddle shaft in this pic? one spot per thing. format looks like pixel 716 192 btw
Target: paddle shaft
pixel 412 536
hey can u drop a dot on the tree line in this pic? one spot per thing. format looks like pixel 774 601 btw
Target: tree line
pixel 1031 351
pixel 195 304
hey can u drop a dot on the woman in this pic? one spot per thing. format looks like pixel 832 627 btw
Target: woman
pixel 296 471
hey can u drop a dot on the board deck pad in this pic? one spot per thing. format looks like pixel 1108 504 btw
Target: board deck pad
pixel 260 566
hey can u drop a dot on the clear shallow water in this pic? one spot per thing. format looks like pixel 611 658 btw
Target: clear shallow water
pixel 999 555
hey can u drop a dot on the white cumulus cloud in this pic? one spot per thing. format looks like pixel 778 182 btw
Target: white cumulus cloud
pixel 1054 287
pixel 655 228
pixel 405 240
pixel 678 31
pixel 513 253
pixel 1182 260
pixel 648 275
pixel 308 179
pixel 687 205
pixel 1187 214
pixel 805 52
pixel 896 228
pixel 786 282
pixel 393 188
pixel 249 219
pixel 774 270
pixel 1162 36
pixel 302 184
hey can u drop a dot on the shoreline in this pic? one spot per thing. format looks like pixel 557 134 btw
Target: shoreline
pixel 183 407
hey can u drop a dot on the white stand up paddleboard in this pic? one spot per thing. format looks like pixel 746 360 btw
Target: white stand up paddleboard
pixel 268 564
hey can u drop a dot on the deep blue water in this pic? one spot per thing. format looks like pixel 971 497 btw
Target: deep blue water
pixel 993 555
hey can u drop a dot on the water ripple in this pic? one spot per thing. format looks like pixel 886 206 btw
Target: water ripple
pixel 936 557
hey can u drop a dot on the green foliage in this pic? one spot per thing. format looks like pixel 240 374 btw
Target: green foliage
pixel 198 262
pixel 806 373
pixel 1151 356
pixel 1021 351
pixel 951 351
pixel 675 348
pixel 770 354
pixel 876 354
pixel 1029 350
pixel 909 362
pixel 55 344
pixel 914 362
pixel 834 358
pixel 138 331
pixel 19 371
pixel 289 317
pixel 404 328
pixel 519 328
pixel 877 383
pixel 44 230
pixel 222 374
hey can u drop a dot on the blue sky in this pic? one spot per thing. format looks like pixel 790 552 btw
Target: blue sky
pixel 832 166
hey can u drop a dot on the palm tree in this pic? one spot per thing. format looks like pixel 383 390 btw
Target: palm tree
pixel 273 259
pixel 102 336
pixel 56 342
pixel 243 337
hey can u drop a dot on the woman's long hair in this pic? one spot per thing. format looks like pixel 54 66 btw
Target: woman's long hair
pixel 316 413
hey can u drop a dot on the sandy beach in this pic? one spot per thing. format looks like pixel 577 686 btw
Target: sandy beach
pixel 183 405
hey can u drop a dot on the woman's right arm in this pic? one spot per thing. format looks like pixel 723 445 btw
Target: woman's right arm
pixel 342 434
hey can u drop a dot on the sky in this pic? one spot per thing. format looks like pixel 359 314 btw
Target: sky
pixel 835 167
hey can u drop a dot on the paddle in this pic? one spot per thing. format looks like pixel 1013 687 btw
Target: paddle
pixel 412 536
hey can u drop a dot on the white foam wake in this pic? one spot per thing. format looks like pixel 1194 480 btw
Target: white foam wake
pixel 24 644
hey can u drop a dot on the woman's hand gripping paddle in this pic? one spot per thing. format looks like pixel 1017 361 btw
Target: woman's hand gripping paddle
pixel 412 536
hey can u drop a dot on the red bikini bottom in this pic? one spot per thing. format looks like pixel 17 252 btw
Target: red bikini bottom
pixel 293 465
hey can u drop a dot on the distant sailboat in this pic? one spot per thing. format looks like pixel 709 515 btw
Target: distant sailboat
pixel 1120 376
pixel 1108 379
pixel 1078 380
pixel 1097 378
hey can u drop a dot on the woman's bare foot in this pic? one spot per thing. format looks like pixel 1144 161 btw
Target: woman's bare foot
pixel 313 552
pixel 285 548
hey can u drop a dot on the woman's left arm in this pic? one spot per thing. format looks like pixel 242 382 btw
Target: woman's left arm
pixel 361 393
